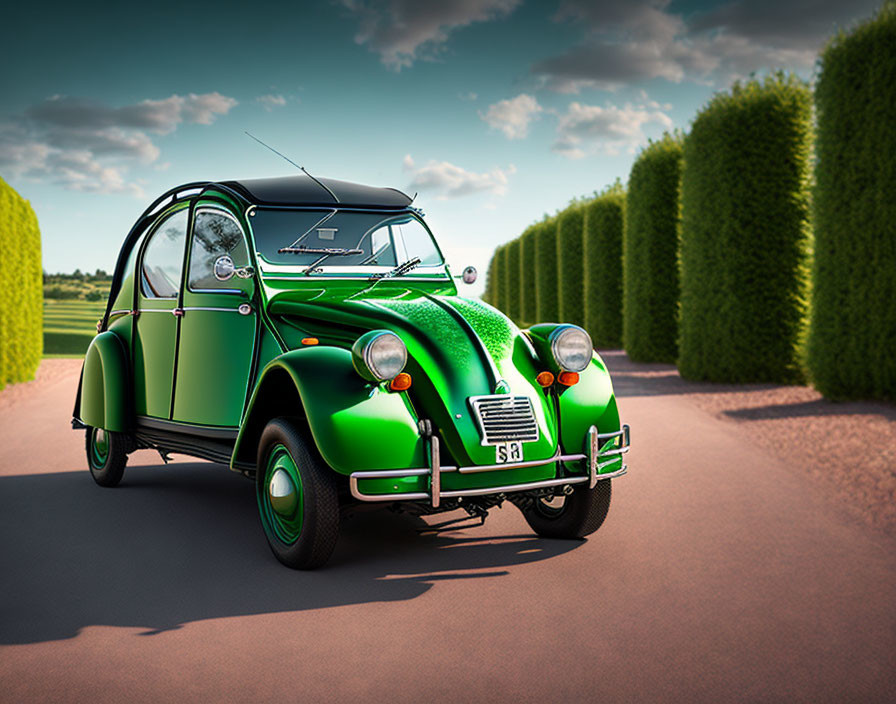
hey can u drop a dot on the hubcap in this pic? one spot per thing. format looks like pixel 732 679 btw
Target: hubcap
pixel 553 507
pixel 281 502
pixel 283 493
pixel 100 446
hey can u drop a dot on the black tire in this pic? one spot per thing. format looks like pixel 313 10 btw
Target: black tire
pixel 580 514
pixel 316 511
pixel 107 455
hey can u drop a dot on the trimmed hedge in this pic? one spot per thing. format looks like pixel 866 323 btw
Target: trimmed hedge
pixel 745 237
pixel 852 339
pixel 650 253
pixel 528 264
pixel 570 267
pixel 488 294
pixel 604 218
pixel 513 280
pixel 546 305
pixel 498 274
pixel 21 289
pixel 504 278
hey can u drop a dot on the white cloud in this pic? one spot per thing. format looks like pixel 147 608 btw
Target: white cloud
pixel 512 116
pixel 447 180
pixel 585 129
pixel 85 145
pixel 271 101
pixel 402 31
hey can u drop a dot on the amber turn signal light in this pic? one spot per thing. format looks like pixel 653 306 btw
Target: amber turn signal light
pixel 568 378
pixel 545 379
pixel 310 341
pixel 402 382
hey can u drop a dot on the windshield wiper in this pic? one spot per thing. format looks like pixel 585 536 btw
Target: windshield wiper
pixel 327 252
pixel 400 270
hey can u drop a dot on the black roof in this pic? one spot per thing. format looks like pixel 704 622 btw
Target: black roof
pixel 304 190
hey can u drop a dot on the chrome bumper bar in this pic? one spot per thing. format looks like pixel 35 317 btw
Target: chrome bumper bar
pixel 596 457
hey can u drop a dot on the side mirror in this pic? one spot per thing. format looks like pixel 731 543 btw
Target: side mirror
pixel 224 268
pixel 469 275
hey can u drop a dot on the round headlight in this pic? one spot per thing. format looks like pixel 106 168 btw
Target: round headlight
pixel 572 348
pixel 379 355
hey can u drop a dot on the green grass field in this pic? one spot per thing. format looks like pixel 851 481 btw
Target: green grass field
pixel 69 326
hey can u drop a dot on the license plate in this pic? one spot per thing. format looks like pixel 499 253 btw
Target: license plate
pixel 509 452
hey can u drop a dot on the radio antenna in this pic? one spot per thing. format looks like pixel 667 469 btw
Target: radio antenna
pixel 301 168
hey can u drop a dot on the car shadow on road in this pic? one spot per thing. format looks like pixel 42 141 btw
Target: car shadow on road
pixel 183 543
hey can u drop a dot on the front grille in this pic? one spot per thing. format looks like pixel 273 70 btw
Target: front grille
pixel 505 418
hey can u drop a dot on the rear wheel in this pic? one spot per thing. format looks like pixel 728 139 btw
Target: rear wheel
pixel 107 455
pixel 570 516
pixel 297 497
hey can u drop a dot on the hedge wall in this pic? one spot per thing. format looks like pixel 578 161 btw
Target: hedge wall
pixel 528 259
pixel 745 237
pixel 650 253
pixel 497 293
pixel 513 280
pixel 602 259
pixel 570 267
pixel 488 294
pixel 546 306
pixel 504 277
pixel 489 280
pixel 21 283
pixel 852 340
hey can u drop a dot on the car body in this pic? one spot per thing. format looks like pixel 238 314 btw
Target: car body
pixel 309 334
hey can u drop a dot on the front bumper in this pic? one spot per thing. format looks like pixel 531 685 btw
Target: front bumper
pixel 598 455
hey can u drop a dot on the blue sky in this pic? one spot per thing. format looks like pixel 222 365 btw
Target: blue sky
pixel 494 111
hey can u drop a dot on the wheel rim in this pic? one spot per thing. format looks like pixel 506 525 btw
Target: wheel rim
pixel 281 497
pixel 99 447
pixel 551 508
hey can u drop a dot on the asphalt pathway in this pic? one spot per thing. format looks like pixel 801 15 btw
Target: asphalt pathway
pixel 720 575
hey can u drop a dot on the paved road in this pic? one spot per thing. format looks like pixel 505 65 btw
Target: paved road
pixel 720 575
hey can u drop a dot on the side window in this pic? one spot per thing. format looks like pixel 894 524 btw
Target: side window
pixel 215 234
pixel 381 251
pixel 163 260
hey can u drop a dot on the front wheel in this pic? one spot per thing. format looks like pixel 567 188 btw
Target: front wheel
pixel 107 455
pixel 297 497
pixel 574 516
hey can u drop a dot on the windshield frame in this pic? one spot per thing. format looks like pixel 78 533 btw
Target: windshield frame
pixel 331 268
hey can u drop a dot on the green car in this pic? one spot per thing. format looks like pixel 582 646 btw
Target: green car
pixel 308 333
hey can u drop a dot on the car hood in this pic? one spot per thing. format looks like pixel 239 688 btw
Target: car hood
pixel 458 348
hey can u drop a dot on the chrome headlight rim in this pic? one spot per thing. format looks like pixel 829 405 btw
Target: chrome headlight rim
pixel 365 350
pixel 557 338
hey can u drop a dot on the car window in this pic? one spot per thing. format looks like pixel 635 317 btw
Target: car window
pixel 163 259
pixel 215 234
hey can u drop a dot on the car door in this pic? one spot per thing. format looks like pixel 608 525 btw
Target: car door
pixel 218 325
pixel 160 270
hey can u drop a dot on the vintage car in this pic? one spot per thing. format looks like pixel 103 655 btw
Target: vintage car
pixel 308 333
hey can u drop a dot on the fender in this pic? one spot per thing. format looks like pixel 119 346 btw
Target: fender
pixel 103 401
pixel 355 424
pixel 590 402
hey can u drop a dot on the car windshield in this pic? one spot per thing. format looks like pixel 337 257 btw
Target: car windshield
pixel 341 238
